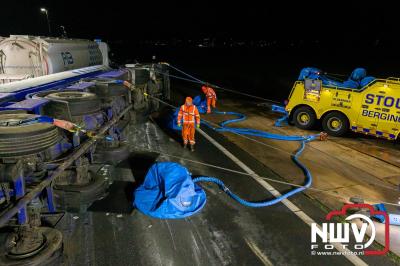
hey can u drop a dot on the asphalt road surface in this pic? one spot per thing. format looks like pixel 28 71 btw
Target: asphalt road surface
pixel 112 232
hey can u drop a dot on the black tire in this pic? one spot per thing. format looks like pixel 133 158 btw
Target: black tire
pixel 24 139
pixel 335 124
pixel 108 88
pixel 304 117
pixel 113 156
pixel 77 198
pixel 80 103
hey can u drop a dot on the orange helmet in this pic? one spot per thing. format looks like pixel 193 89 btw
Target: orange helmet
pixel 189 101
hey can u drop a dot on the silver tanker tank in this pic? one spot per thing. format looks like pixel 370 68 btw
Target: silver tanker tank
pixel 23 56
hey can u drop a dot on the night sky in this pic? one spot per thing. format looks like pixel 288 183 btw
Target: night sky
pixel 135 20
pixel 333 36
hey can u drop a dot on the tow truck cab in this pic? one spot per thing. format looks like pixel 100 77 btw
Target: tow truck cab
pixel 372 109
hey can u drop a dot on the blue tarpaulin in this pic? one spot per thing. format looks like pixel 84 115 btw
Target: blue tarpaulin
pixel 357 79
pixel 172 120
pixel 168 192
pixel 201 104
pixel 365 81
pixel 309 73
pixel 358 74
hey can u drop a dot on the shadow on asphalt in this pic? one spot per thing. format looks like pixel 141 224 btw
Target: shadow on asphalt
pixel 120 194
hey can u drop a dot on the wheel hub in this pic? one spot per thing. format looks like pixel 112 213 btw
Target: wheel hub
pixel 25 243
pixel 334 124
pixel 304 118
pixel 42 247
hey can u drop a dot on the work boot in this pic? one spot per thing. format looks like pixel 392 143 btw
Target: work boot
pixel 191 147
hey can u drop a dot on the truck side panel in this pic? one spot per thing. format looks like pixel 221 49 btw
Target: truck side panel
pixel 380 110
pixel 374 109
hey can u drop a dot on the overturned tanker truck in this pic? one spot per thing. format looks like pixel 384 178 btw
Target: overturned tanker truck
pixel 25 56
pixel 56 133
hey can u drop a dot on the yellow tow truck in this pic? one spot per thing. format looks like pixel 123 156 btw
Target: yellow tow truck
pixel 372 109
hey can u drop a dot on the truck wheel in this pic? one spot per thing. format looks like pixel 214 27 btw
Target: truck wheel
pixel 335 124
pixel 107 88
pixel 19 139
pixel 80 103
pixel 304 117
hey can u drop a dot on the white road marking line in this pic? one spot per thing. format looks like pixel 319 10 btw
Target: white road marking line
pixel 257 251
pixel 297 211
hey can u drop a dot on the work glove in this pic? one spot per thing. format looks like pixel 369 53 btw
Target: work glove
pixel 198 125
pixel 179 125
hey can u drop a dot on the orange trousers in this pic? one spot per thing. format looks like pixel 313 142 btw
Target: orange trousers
pixel 211 102
pixel 188 130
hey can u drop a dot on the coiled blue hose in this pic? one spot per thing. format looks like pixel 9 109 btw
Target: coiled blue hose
pixel 268 202
pixel 253 132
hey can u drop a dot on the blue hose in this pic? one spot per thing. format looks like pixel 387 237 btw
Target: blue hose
pixel 282 120
pixel 223 127
pixel 253 132
pixel 268 202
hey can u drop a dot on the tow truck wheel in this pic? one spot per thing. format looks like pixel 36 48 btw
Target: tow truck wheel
pixel 304 117
pixel 335 124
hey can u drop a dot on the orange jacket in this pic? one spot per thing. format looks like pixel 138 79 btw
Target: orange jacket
pixel 209 92
pixel 189 114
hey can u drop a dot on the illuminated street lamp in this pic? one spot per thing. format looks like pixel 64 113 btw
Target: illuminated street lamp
pixel 45 11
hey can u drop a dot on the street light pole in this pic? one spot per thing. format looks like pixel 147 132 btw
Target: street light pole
pixel 44 10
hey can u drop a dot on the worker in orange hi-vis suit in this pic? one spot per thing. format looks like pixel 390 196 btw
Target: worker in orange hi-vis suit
pixel 211 97
pixel 190 116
